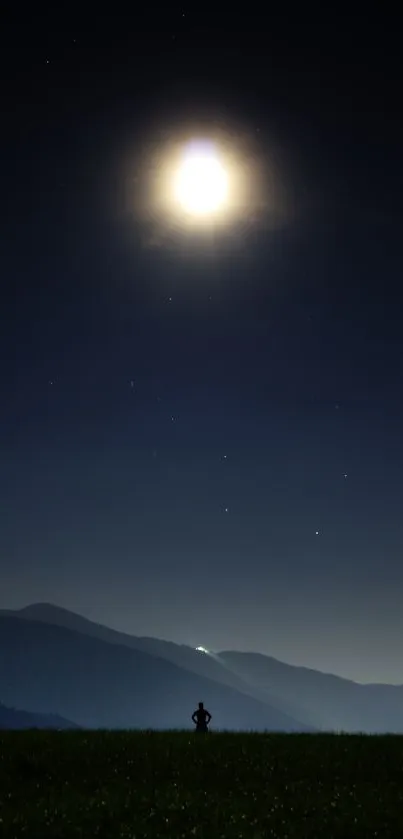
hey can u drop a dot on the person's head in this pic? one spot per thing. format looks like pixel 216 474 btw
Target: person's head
pixel 201 706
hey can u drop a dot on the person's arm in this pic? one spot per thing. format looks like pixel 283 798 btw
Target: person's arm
pixel 209 717
pixel 193 717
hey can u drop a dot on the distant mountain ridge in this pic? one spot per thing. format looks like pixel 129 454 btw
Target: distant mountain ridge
pixel 295 697
pixel 108 685
pixel 15 718
pixel 184 656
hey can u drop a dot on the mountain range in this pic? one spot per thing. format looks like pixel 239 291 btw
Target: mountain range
pixel 54 661
pixel 14 718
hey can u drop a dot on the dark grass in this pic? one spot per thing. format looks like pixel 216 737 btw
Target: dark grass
pixel 178 784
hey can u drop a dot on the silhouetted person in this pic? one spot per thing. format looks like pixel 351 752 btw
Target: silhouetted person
pixel 201 718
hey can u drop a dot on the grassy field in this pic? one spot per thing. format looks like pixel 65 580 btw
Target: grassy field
pixel 177 784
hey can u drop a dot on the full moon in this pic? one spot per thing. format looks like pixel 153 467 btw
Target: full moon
pixel 199 186
pixel 201 181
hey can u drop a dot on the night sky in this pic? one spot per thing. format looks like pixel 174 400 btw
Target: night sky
pixel 201 435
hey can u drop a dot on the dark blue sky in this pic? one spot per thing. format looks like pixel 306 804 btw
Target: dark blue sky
pixel 203 442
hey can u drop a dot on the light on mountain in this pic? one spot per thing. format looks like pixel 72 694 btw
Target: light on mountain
pixel 202 650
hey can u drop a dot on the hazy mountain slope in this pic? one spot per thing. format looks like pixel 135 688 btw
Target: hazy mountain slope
pixel 14 718
pixel 331 701
pixel 52 669
pixel 316 699
pixel 209 666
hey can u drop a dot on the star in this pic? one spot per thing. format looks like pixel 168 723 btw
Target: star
pixel 226 509
pixel 316 532
pixel 345 475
